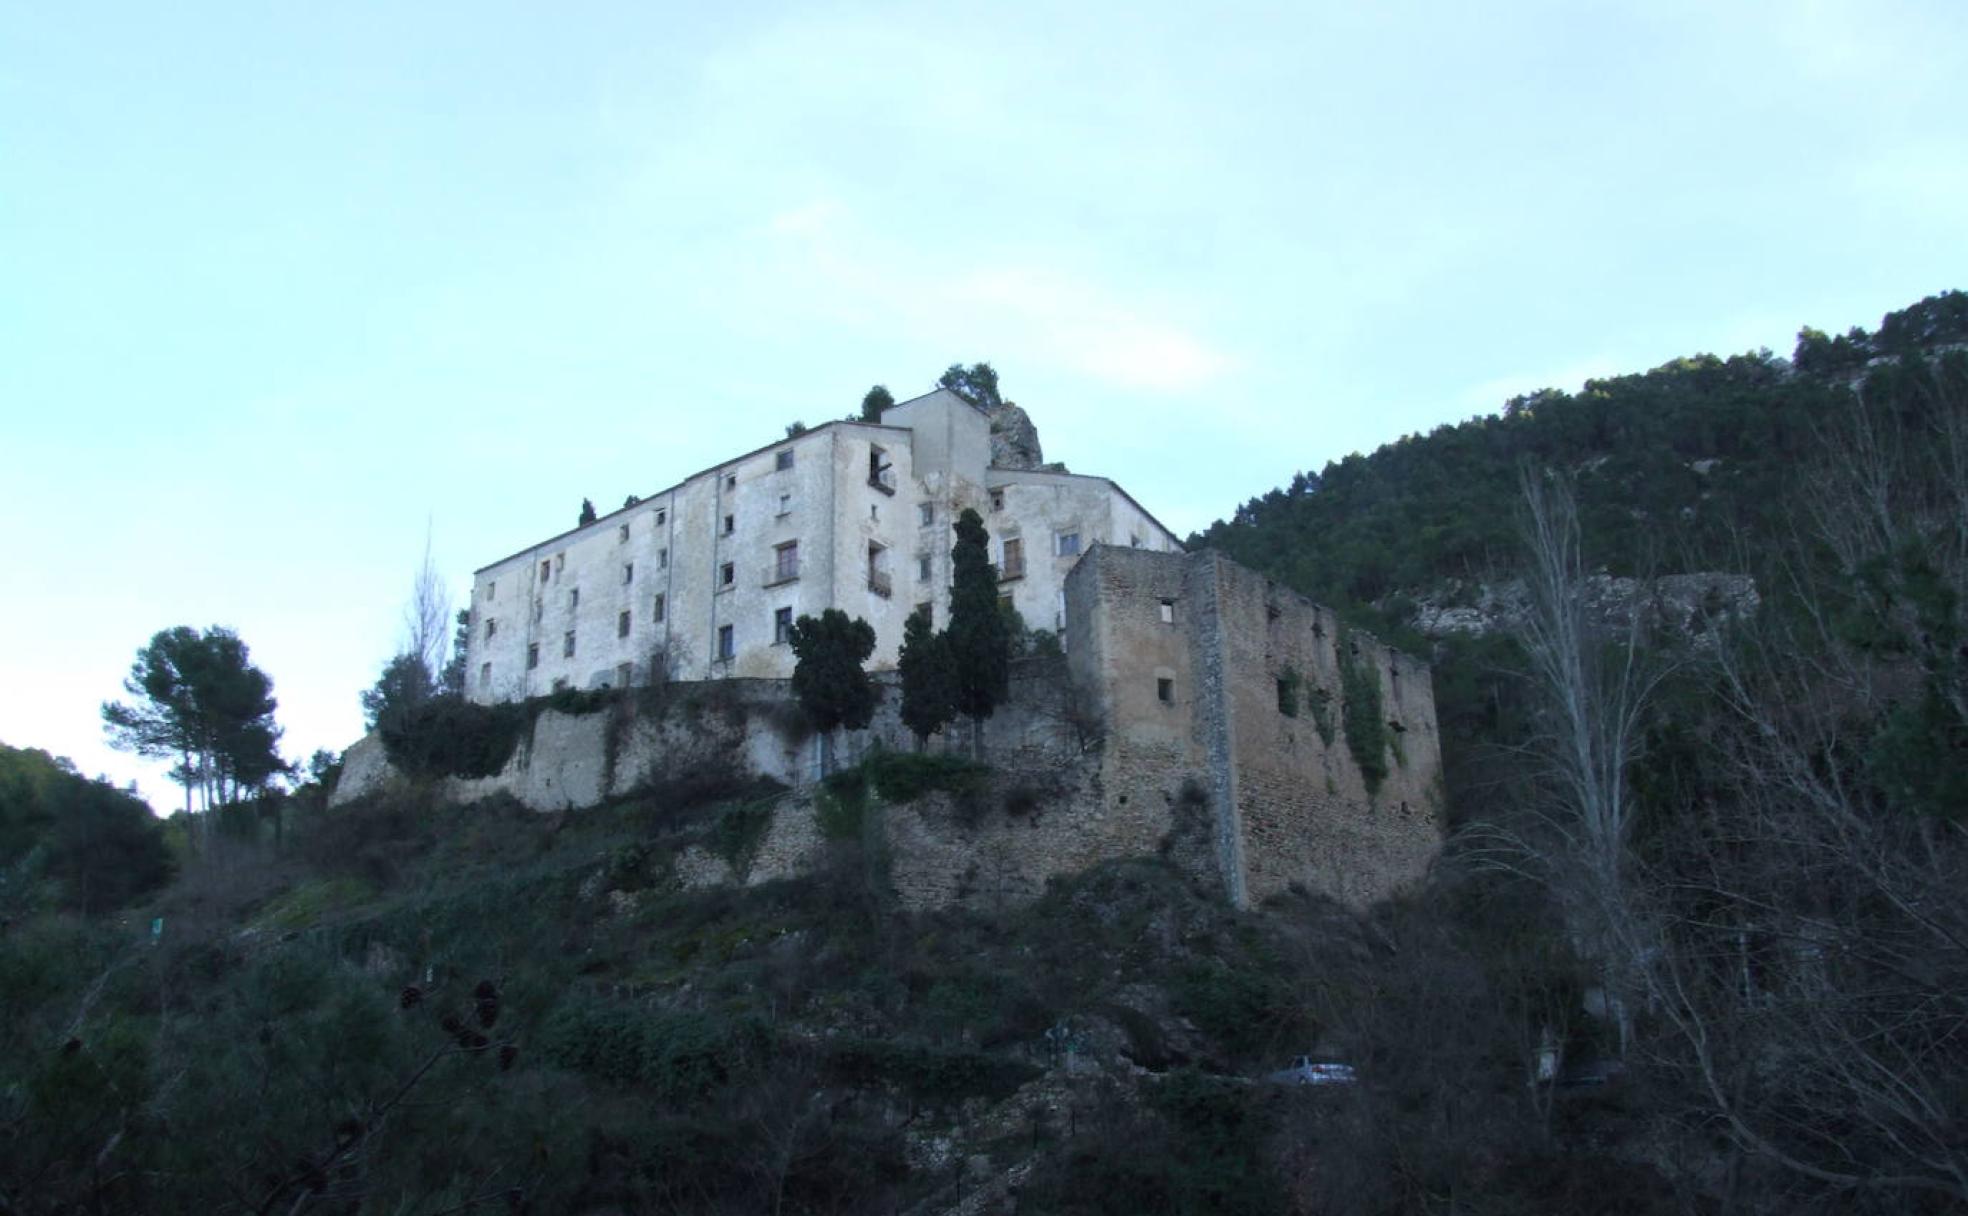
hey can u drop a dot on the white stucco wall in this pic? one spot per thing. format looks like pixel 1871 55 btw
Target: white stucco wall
pixel 934 452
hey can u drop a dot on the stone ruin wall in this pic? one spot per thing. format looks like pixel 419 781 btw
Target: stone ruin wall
pixel 1256 796
pixel 1305 812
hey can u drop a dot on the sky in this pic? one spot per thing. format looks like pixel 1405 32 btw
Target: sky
pixel 286 288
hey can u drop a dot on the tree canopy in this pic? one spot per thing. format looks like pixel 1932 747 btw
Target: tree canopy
pixel 100 846
pixel 828 679
pixel 977 384
pixel 202 703
pixel 877 400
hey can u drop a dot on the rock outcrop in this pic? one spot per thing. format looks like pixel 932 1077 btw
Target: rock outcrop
pixel 1014 440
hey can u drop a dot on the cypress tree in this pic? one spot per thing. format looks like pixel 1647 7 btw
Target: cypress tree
pixel 980 644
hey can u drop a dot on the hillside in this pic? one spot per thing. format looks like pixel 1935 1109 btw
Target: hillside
pixel 1696 945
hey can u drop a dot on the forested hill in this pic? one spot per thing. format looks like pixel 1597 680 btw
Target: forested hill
pixel 1686 466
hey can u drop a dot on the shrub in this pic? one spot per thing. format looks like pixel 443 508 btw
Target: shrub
pixel 739 831
pixel 682 1055
pixel 928 1073
pixel 1360 714
pixel 449 736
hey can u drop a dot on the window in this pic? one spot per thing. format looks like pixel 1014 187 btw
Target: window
pixel 926 513
pixel 786 562
pixel 491 628
pixel 878 569
pixel 1168 612
pixel 726 646
pixel 784 460
pixel 923 567
pixel 622 624
pixel 785 505
pixel 1134 540
pixel 730 524
pixel 731 481
pixel 1288 696
pixel 997 500
pixel 485 675
pixel 1165 690
pixel 567 645
pixel 573 598
pixel 628 572
pixel 560 563
pixel 622 535
pixel 782 626
pixel 532 656
pixel 492 590
pixel 662 559
pixel 546 571
pixel 727 574
pixel 662 517
pixel 1013 565
pixel 1068 544
pixel 624 673
pixel 927 611
pixel 656 610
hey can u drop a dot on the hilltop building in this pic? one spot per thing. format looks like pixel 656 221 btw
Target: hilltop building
pixel 1201 710
pixel 704 579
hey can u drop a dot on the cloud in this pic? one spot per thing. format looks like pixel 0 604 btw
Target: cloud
pixel 1019 308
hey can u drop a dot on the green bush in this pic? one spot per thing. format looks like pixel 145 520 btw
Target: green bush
pixel 738 832
pixel 906 776
pixel 452 737
pixel 681 1055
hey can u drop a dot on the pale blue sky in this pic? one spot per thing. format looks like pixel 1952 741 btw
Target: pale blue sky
pixel 279 283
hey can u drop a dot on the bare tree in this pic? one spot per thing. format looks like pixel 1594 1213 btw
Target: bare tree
pixel 427 616
pixel 1817 975
pixel 1594 681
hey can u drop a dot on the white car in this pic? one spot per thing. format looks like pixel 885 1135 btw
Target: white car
pixel 1305 1070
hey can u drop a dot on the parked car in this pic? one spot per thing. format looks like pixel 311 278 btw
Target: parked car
pixel 1305 1070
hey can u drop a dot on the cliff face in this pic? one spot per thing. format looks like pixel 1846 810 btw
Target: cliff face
pixel 1014 440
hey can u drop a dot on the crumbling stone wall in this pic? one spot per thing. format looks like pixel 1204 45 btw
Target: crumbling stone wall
pixel 1217 682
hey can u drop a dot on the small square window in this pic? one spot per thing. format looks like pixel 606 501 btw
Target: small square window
pixel 656 609
pixel 997 500
pixel 782 626
pixel 662 559
pixel 926 513
pixel 1165 691
pixel 731 481
pixel 727 574
pixel 567 645
pixel 730 524
pixel 784 460
pixel 1069 544
pixel 628 572
pixel 546 571
pixel 485 675
pixel 785 505
pixel 1134 540
pixel 622 624
pixel 532 656
pixel 622 534
pixel 1168 612
pixel 726 645
pixel 923 567
pixel 662 517
pixel 573 598
pixel 491 628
